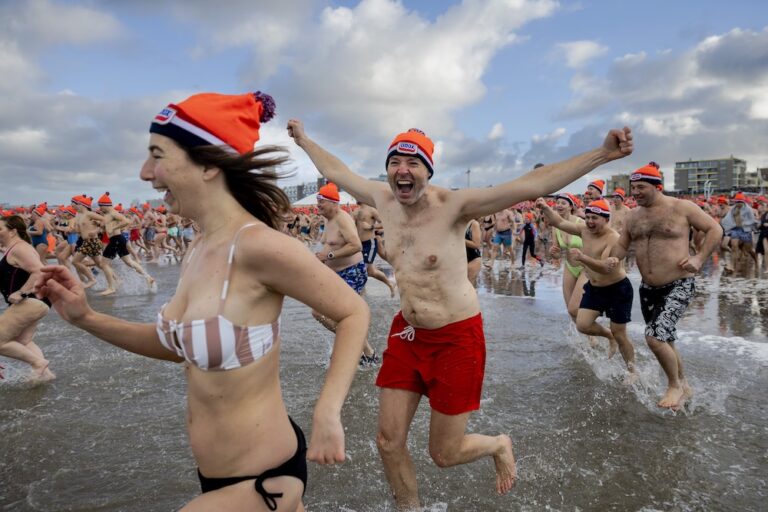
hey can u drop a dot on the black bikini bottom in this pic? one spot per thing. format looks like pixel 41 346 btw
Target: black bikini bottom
pixel 296 467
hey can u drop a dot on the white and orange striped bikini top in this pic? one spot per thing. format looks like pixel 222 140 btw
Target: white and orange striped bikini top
pixel 216 343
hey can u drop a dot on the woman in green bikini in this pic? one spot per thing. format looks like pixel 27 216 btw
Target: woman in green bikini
pixel 573 277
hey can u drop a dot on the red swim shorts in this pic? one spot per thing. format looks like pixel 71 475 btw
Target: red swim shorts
pixel 446 364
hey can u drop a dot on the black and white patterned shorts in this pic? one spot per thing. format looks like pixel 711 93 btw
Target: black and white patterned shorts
pixel 662 307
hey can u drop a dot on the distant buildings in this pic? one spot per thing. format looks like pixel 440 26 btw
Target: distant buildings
pixel 725 174
pixel 296 192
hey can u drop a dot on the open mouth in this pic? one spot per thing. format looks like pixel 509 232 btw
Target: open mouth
pixel 404 186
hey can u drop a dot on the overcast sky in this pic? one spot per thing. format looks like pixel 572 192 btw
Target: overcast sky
pixel 498 85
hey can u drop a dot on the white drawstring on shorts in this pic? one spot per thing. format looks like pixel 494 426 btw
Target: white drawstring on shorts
pixel 409 333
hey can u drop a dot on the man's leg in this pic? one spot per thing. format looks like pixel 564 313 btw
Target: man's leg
pixel 381 276
pixel 619 332
pixel 586 323
pixel 104 265
pixel 449 445
pixel 396 410
pixel 671 363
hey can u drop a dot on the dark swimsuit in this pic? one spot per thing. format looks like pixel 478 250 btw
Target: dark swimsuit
pixel 13 278
pixel 296 467
pixel 472 253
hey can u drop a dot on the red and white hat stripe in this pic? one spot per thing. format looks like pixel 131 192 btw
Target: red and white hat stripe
pixel 638 176
pixel 598 211
pixel 200 132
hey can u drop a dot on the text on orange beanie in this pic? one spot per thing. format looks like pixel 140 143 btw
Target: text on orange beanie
pixel 329 192
pixel 599 207
pixel 413 143
pixel 227 120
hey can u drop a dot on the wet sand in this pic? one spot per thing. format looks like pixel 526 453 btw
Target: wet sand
pixel 109 433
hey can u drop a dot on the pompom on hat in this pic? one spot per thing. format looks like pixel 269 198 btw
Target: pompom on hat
pixel 599 207
pixel 329 192
pixel 650 174
pixel 209 119
pixel 105 200
pixel 598 185
pixel 414 142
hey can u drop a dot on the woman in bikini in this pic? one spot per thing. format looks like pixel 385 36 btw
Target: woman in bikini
pixel 19 269
pixel 224 320
pixel 573 275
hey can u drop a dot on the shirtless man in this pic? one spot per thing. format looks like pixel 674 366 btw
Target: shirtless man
pixel 618 210
pixel 366 218
pixel 89 245
pixel 439 327
pixel 660 225
pixel 148 222
pixel 608 290
pixel 503 238
pixel 341 252
pixel 304 228
pixel 114 224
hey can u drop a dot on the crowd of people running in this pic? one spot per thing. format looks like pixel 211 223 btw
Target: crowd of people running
pixel 226 222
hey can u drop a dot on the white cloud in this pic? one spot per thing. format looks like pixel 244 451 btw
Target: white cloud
pixel 497 131
pixel 579 53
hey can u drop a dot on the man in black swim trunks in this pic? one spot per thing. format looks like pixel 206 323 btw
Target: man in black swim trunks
pixel 661 224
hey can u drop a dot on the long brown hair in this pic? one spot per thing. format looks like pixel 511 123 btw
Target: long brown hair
pixel 251 178
pixel 17 224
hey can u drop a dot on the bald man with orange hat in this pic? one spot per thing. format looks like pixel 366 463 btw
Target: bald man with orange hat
pixel 661 225
pixel 436 345
pixel 342 252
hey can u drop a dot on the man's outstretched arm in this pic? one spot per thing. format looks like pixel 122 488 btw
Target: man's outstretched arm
pixel 547 179
pixel 332 168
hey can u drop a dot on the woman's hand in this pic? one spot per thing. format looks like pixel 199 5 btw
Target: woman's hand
pixel 326 445
pixel 65 292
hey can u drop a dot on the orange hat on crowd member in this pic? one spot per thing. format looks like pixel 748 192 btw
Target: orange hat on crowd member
pixel 70 210
pixel 119 207
pixel 740 198
pixel 619 192
pixel 528 216
pixel 329 192
pixel 649 174
pixel 41 209
pixel 598 185
pixel 722 200
pixel 145 206
pixel 570 198
pixel 414 142
pixel 228 120
pixel 160 209
pixel 105 200
pixel 599 207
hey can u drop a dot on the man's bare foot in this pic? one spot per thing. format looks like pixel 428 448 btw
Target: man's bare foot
pixel 672 397
pixel 89 284
pixel 592 341
pixel 506 469
pixel 612 347
pixel 631 378
pixel 150 281
pixel 108 291
pixel 41 373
